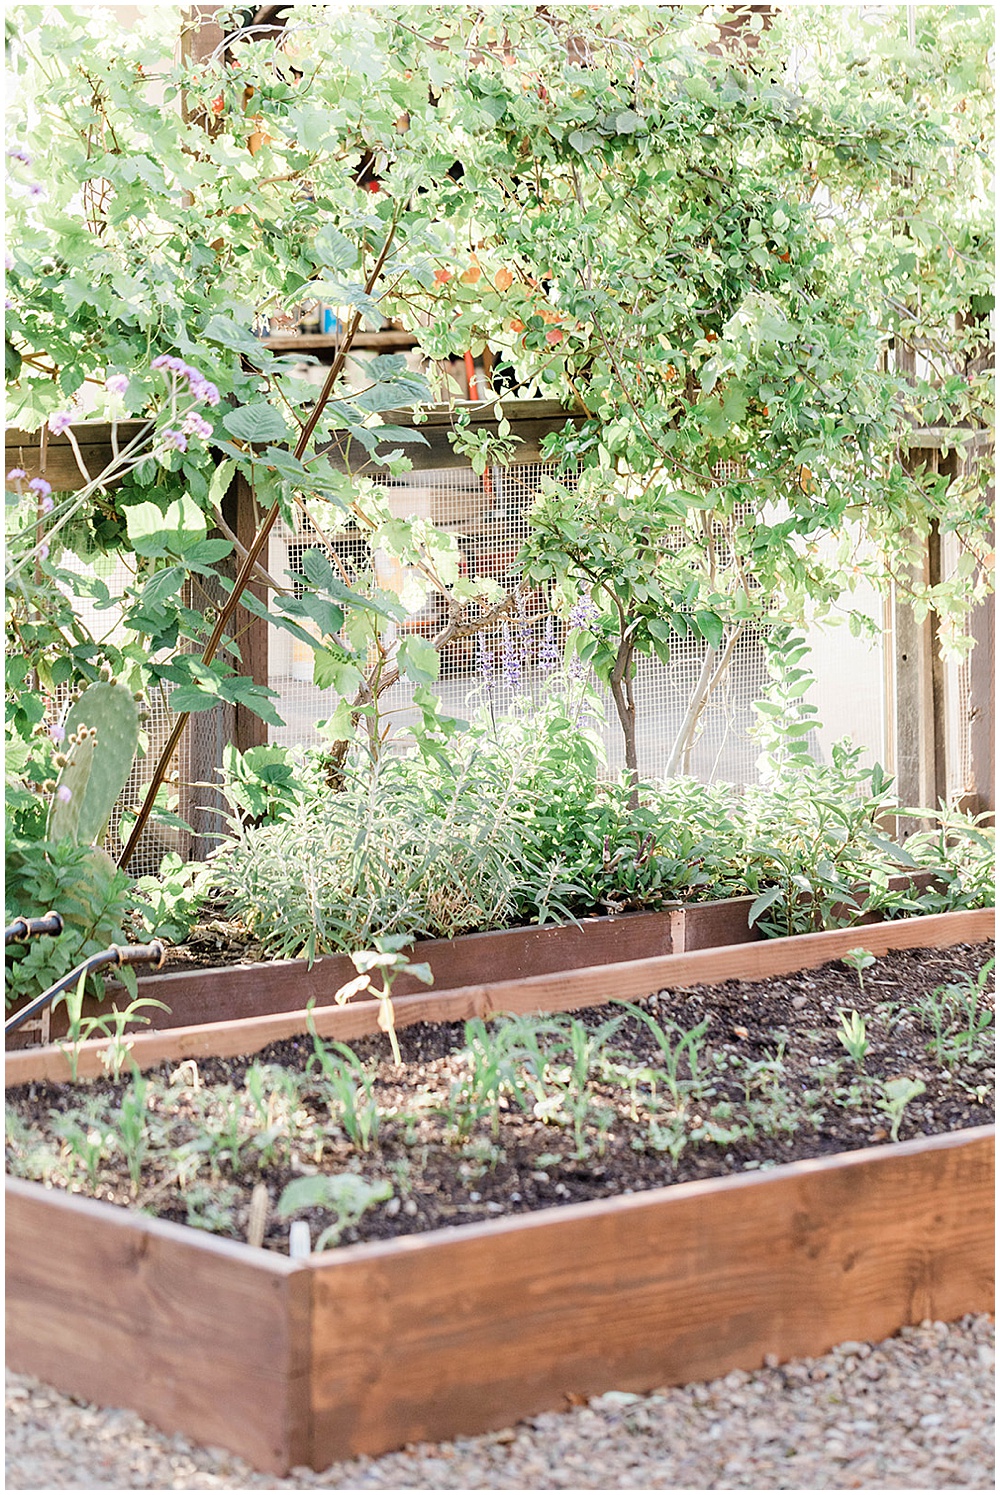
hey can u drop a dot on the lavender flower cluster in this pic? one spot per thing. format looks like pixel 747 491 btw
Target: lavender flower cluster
pixel 16 477
pixel 200 389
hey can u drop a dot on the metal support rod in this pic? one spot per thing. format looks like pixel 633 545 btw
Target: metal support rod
pixel 115 955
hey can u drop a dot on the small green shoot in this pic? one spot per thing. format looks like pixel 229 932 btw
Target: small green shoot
pixel 859 959
pixel 346 1195
pixel 896 1096
pixel 388 959
pixel 854 1036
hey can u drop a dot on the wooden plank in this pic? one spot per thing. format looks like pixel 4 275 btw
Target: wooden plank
pixel 918 724
pixel 227 993
pixel 310 342
pixel 462 1331
pixel 192 1331
pixel 439 453
pixel 970 440
pixel 230 992
pixel 555 992
pixel 530 419
pixel 60 468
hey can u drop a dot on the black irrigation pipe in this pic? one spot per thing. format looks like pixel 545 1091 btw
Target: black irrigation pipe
pixel 115 955
pixel 26 929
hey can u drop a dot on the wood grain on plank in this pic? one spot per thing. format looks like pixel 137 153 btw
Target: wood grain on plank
pixel 554 992
pixel 459 1332
pixel 192 1331
pixel 226 993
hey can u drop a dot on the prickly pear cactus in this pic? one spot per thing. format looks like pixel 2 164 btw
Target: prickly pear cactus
pixel 102 734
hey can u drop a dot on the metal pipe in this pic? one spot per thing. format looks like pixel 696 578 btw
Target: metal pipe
pixel 26 929
pixel 115 955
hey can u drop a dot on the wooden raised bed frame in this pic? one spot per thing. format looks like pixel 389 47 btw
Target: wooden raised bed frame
pixel 458 1331
pixel 229 993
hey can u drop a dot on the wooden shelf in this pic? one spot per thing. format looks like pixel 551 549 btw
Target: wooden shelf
pixel 309 341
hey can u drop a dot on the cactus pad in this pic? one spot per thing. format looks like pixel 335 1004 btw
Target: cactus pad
pixel 97 767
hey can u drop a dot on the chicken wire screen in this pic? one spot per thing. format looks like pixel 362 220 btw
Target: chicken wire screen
pixel 489 517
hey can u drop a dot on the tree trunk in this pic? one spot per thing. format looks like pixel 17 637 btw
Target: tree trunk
pixel 624 699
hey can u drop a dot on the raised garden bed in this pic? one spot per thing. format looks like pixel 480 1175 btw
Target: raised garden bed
pixel 220 993
pixel 460 1330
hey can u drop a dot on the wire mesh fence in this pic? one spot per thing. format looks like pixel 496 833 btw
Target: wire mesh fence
pixel 489 517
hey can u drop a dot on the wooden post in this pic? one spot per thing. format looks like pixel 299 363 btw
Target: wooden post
pixel 918 705
pixel 250 632
pixel 982 703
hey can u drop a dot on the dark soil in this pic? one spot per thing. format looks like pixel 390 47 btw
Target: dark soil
pixel 773 1083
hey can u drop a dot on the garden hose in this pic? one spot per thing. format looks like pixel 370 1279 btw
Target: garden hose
pixel 115 955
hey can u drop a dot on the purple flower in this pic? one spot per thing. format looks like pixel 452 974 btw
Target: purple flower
pixel 196 425
pixel 57 733
pixel 582 613
pixel 117 384
pixel 43 552
pixel 176 439
pixel 16 474
pixel 47 504
pixel 201 388
pixel 511 657
pixel 41 487
pixel 484 663
pixel 18 153
pixel 60 422
pixel 65 793
pixel 163 361
pixel 548 654
pixel 37 192
pixel 8 304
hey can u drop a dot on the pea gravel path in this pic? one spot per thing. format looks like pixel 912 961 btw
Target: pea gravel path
pixel 914 1412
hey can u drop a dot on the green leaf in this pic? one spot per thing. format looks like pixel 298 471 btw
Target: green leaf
pixel 155 533
pixel 333 250
pixel 193 698
pixel 203 555
pixel 890 848
pixel 334 671
pixel 325 614
pixel 763 902
pixel 711 628
pixel 418 659
pixel 258 422
pixel 221 479
pixel 164 584
pixel 233 335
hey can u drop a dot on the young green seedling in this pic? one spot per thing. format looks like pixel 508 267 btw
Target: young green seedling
pixel 347 1195
pixel 854 1036
pixel 859 959
pixel 388 959
pixel 896 1096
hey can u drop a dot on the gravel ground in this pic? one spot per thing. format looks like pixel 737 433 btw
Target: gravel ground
pixel 914 1412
